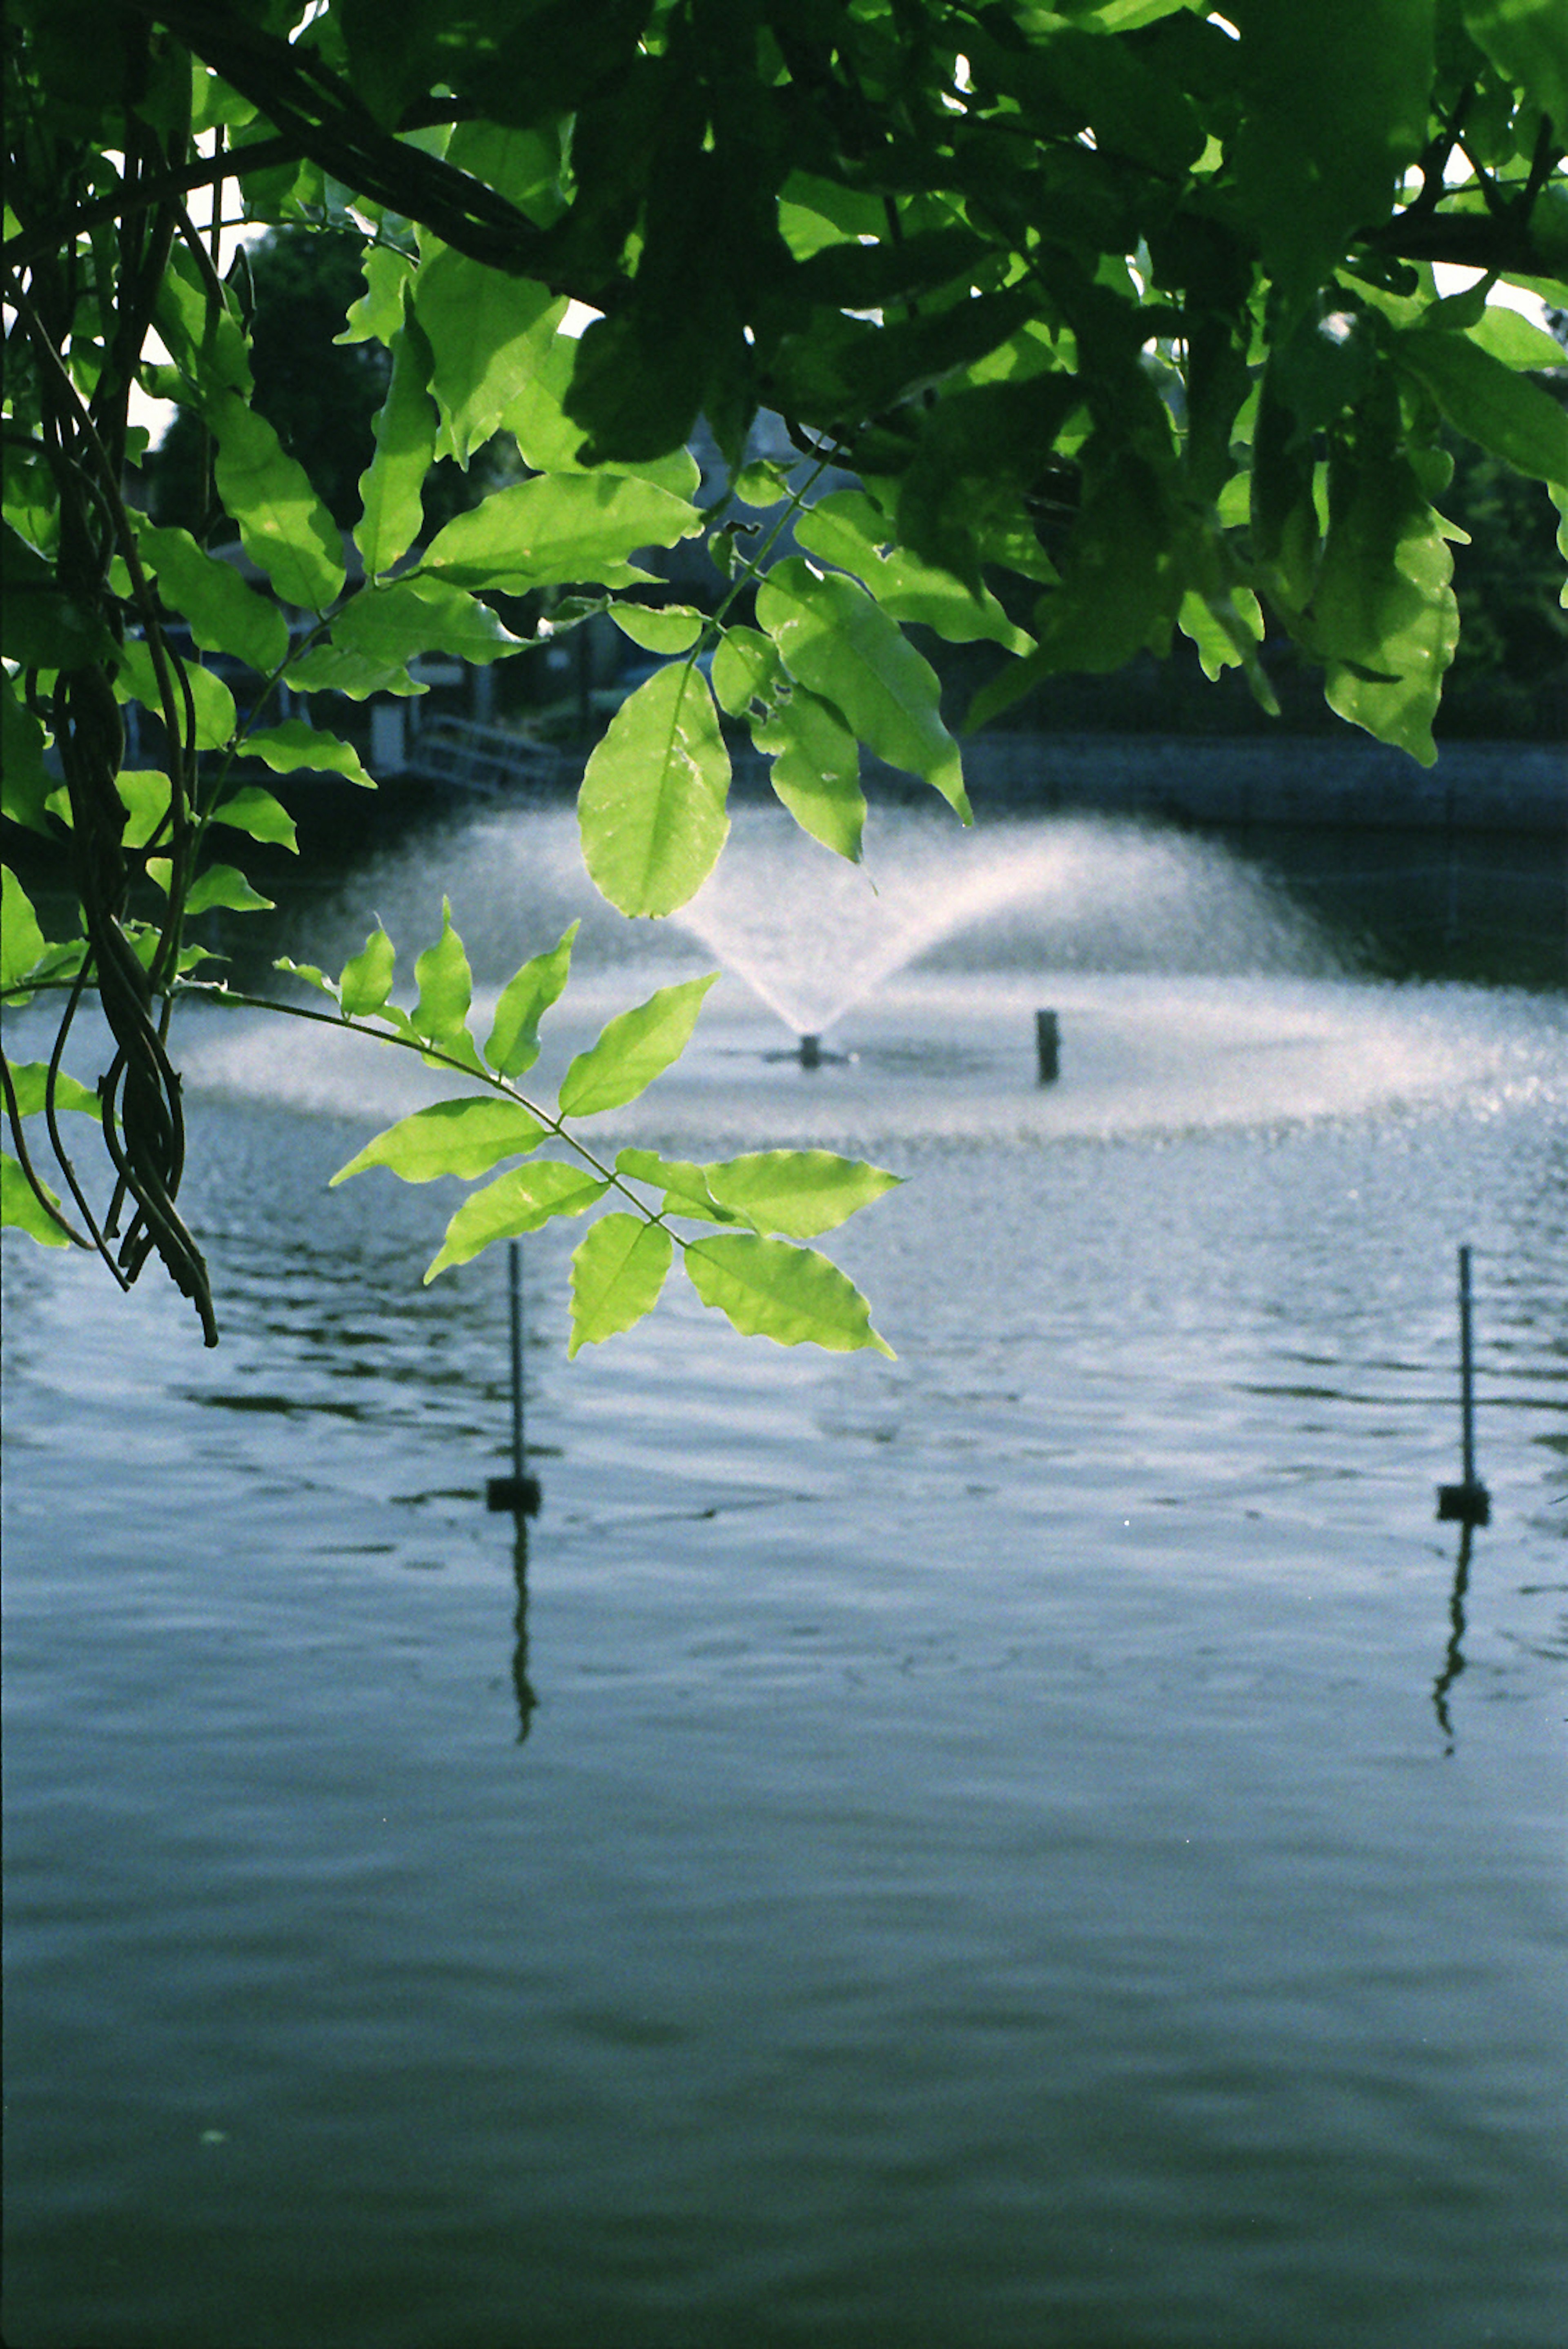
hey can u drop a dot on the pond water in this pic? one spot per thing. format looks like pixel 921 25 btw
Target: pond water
pixel 1042 1843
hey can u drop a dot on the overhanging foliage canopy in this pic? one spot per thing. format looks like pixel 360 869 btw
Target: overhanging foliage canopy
pixel 1125 307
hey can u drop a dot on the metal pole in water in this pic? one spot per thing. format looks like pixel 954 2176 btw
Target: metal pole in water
pixel 1468 1504
pixel 519 1492
pixel 1048 1046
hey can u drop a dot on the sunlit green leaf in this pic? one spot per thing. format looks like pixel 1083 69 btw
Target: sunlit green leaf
pixel 684 1186
pixel 847 528
pixel 833 638
pixel 391 486
pixel 446 991
pixel 516 1203
pixel 211 698
pixel 144 793
pixel 745 669
pixel 665 628
pixel 513 1045
pixel 225 615
pixel 30 1083
pixel 223 885
pixel 21 939
pixel 465 1137
pixel 284 525
pixel 652 803
pixel 367 981
pixel 815 770
pixel 618 1271
pixel 796 1194
pixel 19 1206
pixel 1490 403
pixel 768 1288
pixel 377 314
pixel 633 1049
pixel 297 747
pixel 484 329
pixel 559 529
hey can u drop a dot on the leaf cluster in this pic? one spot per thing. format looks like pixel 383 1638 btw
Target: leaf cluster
pixel 1082 326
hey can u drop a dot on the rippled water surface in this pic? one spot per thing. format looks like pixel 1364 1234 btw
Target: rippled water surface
pixel 1041 1844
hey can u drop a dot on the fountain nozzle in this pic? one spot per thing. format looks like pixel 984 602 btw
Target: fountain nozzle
pixel 811 1051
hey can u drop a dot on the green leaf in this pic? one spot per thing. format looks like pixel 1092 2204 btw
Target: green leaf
pixel 485 330
pixel 210 697
pixel 21 939
pixel 446 991
pixel 1515 339
pixel 633 1049
pixel 1386 617
pixel 1490 403
pixel 745 669
pixel 464 1137
pixel 224 614
pixel 516 1203
pixel 367 981
pixel 513 1045
pixel 815 770
pixel 769 1290
pixel 284 526
pixel 798 1193
pixel 19 1206
pixel 618 1271
pixel 849 529
pixel 834 639
pixel 378 631
pixel 296 746
pixel 222 885
pixel 559 529
pixel 1334 104
pixel 1527 41
pixel 30 1082
pixel 552 443
pixel 651 807
pixel 144 793
pixel 391 486
pixel 684 1186
pixel 24 782
pixel 259 815
pixel 311 975
pixel 667 628
pixel 378 315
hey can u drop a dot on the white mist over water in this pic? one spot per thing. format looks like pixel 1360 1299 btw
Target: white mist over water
pixel 1192 992
pixel 816 938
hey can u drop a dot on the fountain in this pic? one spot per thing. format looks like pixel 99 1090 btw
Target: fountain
pixel 816 938
pixel 1186 990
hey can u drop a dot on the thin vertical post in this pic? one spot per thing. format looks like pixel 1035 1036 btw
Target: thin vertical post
pixel 514 1280
pixel 519 1492
pixel 1467 1384
pixel 1468 1504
